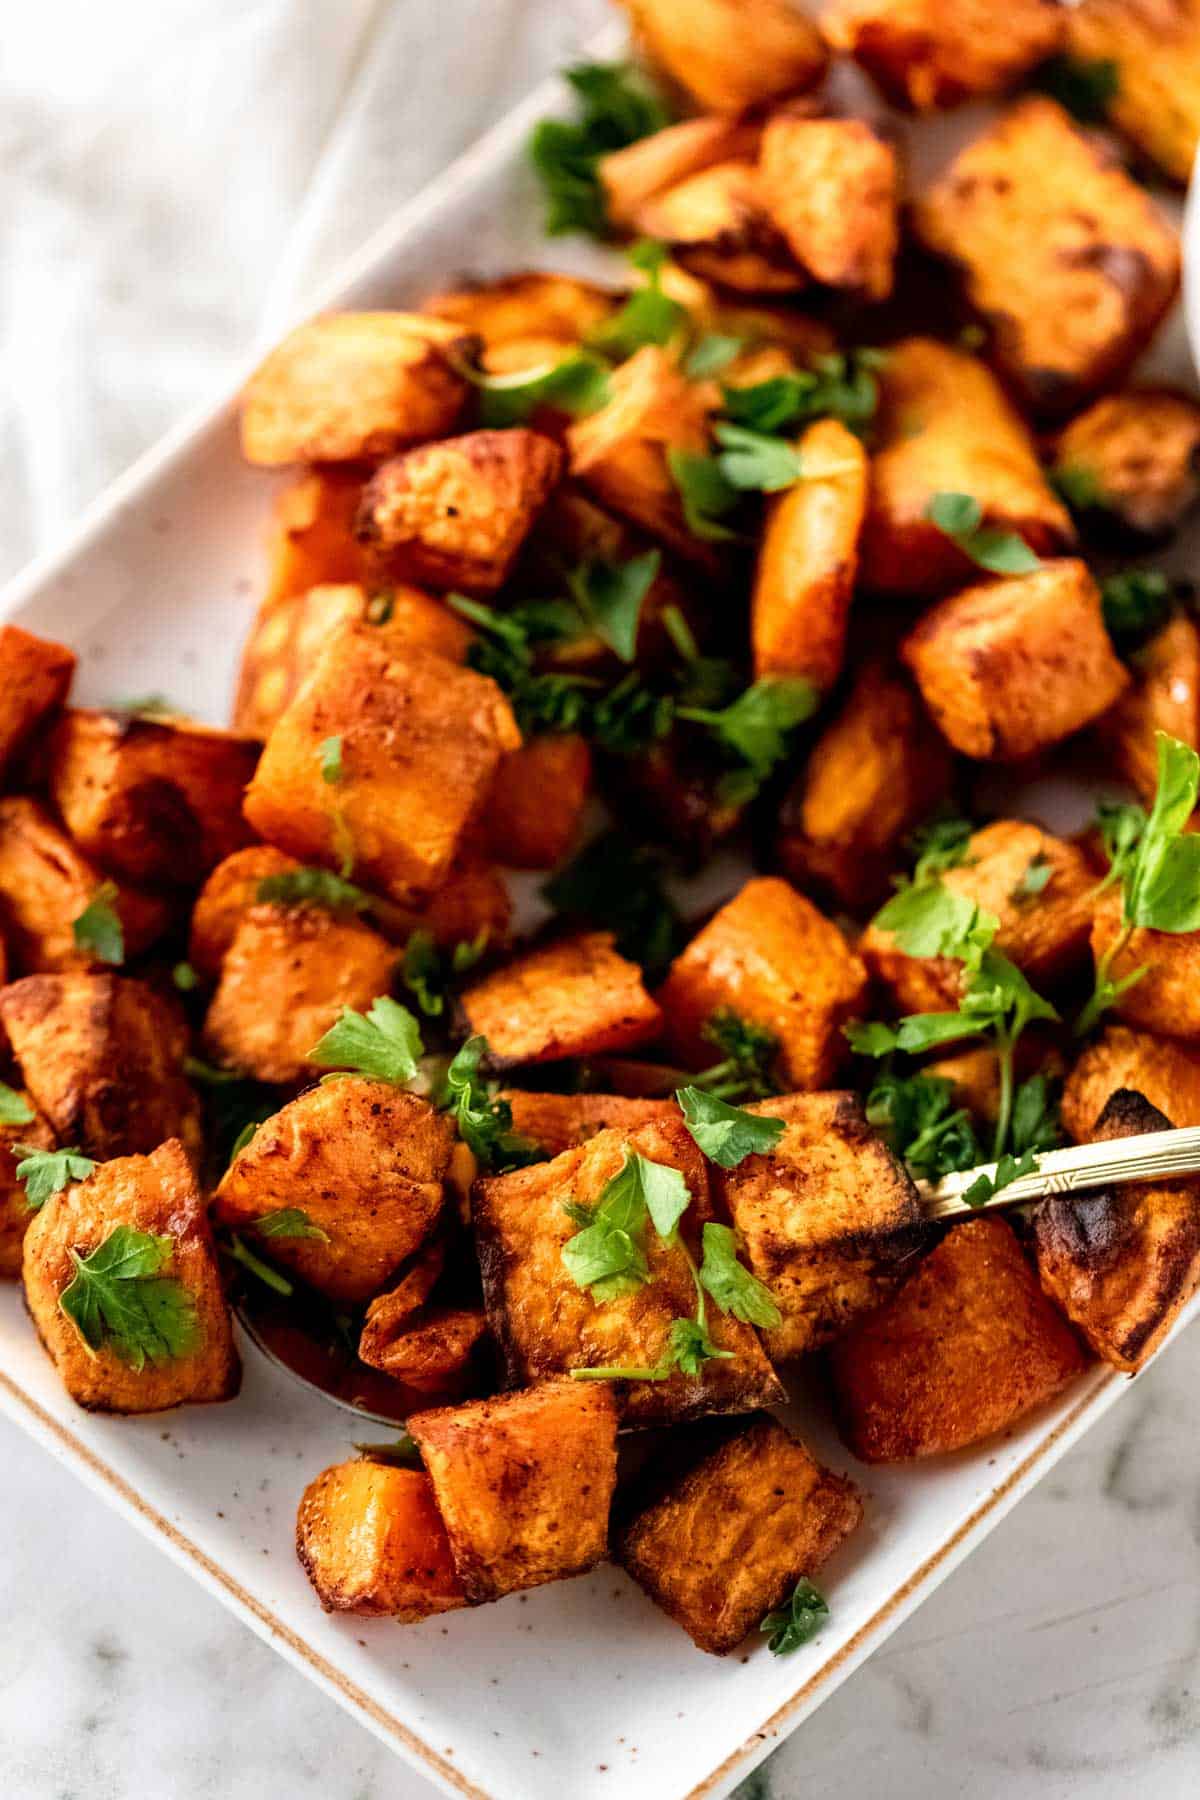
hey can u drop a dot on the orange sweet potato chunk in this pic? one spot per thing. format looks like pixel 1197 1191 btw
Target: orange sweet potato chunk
pixel 575 997
pixel 371 1541
pixel 35 675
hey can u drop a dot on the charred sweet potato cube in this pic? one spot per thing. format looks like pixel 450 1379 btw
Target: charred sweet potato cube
pixel 770 958
pixel 454 514
pixel 418 743
pixel 1165 1072
pixel 289 635
pixel 536 806
pixel 808 560
pixel 35 675
pixel 832 188
pixel 717 226
pixel 968 1346
pixel 1011 666
pixel 311 541
pixel 559 1122
pixel 102 1056
pixel 364 1161
pixel 546 1325
pixel 14 1208
pixel 320 959
pixel 1154 48
pixel 574 997
pixel 924 55
pixel 730 54
pixel 155 1194
pixel 534 304
pixel 878 768
pixel 1167 997
pixel 1038 886
pixel 1060 251
pixel 1130 464
pixel 153 800
pixel 371 1541
pixel 653 165
pixel 829 1220
pixel 523 1482
pixel 355 386
pixel 1164 696
pixel 945 426
pixel 725 1543
pixel 1122 1262
pixel 619 452
pixel 45 884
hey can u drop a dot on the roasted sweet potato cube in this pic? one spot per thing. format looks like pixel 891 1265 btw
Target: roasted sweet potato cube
pixel 1009 667
pixel 454 514
pixel 619 453
pixel 968 1346
pixel 1154 49
pixel 355 386
pixel 35 675
pixel 534 304
pixel 536 807
pixel 652 165
pixel 1060 251
pixel 154 800
pixel 546 1325
pixel 1038 886
pixel 1165 1072
pixel 945 426
pixel 102 1057
pixel 311 541
pixel 725 1543
pixel 155 1195
pixel 45 884
pixel 924 55
pixel 289 635
pixel 975 1074
pixel 1164 696
pixel 717 226
pixel 14 1207
pixel 321 960
pixel 1130 464
pixel 574 997
pixel 808 560
pixel 1167 996
pixel 1122 1262
pixel 829 1219
pixel 418 742
pixel 372 1542
pixel 364 1161
pixel 524 1483
pixel 878 768
pixel 432 1353
pixel 730 54
pixel 832 188
pixel 472 903
pixel 559 1122
pixel 225 899
pixel 770 958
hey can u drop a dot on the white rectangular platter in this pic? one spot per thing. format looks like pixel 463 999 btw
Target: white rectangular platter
pixel 579 1689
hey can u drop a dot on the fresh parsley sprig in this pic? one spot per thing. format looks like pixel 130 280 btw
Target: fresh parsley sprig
pixel 385 1042
pixel 617 106
pixel 940 843
pixel 427 972
pixel 14 1108
pixel 1136 603
pixel 98 927
pixel 840 385
pixel 1156 861
pixel 960 518
pixel 120 1298
pixel 616 885
pixel 797 1622
pixel 288 1222
pixel 485 1123
pixel 755 730
pixel 649 316
pixel 576 383
pixel 924 1128
pixel 312 887
pixel 747 1067
pixel 726 1134
pixel 47 1172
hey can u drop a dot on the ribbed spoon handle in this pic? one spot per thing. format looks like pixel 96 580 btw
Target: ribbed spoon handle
pixel 1154 1156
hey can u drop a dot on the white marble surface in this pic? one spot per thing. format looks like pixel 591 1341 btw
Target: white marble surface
pixel 172 174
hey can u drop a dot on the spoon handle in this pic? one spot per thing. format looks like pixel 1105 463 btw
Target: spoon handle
pixel 1153 1156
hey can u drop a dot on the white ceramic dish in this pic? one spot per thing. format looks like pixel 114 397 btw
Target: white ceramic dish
pixel 580 1688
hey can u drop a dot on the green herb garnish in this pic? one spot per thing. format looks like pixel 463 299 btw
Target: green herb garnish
pixel 616 885
pixel 120 1298
pixel 960 518
pixel 746 1071
pixel 797 1622
pixel 14 1108
pixel 47 1172
pixel 288 1222
pixel 484 1123
pixel 312 887
pixel 617 107
pixel 98 927
pixel 1136 603
pixel 329 755
pixel 648 316
pixel 923 1126
pixel 384 1042
pixel 726 1134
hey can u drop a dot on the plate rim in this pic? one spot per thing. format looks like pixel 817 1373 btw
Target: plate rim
pixel 1105 1385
